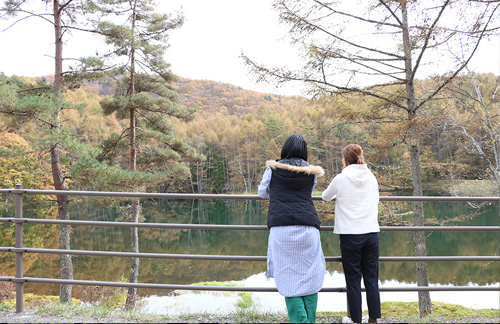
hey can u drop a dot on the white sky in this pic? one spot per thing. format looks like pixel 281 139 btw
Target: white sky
pixel 208 46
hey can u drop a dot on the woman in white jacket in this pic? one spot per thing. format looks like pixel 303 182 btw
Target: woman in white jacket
pixel 356 220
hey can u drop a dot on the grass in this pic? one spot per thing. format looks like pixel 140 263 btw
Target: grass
pixel 80 310
pixel 5 307
pixel 67 311
pixel 409 312
pixel 245 300
pixel 217 284
pixel 393 311
pixel 31 301
pixel 251 316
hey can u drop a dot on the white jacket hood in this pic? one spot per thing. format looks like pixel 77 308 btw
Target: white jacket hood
pixel 356 200
pixel 359 174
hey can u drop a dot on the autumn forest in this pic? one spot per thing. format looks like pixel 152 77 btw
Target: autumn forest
pixel 234 131
pixel 123 121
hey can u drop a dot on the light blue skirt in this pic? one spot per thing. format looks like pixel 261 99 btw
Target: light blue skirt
pixel 295 260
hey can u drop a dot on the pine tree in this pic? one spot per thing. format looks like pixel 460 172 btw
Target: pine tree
pixel 137 39
pixel 47 108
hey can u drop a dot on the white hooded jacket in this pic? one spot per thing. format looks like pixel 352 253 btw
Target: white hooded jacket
pixel 357 197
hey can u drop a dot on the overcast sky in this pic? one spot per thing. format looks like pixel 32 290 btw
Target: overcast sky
pixel 208 46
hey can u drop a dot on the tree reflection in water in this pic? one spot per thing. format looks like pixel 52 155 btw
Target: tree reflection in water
pixel 230 212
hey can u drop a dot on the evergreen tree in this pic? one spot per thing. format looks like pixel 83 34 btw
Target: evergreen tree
pixel 65 15
pixel 137 39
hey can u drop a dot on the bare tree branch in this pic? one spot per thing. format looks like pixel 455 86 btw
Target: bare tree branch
pixel 31 89
pixel 427 37
pixel 31 14
pixel 61 8
pixel 316 27
pixel 356 17
pixel 392 12
pixel 464 64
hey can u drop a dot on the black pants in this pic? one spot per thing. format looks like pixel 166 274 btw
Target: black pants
pixel 360 254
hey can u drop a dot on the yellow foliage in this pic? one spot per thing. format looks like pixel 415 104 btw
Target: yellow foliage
pixel 87 121
pixel 19 165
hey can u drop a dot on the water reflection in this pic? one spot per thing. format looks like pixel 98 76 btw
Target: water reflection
pixel 231 212
pixel 226 302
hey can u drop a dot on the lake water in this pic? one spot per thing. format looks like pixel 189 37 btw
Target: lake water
pixel 244 243
pixel 226 302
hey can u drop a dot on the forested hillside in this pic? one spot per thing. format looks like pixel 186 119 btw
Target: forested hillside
pixel 211 96
pixel 237 130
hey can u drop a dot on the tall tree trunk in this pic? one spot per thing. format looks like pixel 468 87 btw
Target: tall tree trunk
pixel 419 241
pixel 57 174
pixel 498 163
pixel 134 265
pixel 424 298
pixel 134 237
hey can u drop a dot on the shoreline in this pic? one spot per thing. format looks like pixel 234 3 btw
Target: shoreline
pixel 392 312
pixel 34 317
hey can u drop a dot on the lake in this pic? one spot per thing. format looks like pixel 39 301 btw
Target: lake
pixel 233 212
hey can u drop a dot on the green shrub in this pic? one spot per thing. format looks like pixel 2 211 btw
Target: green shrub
pixel 245 301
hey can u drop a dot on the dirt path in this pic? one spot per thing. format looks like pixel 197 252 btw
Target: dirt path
pixel 33 317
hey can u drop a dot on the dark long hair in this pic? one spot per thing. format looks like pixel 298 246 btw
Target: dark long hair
pixel 295 147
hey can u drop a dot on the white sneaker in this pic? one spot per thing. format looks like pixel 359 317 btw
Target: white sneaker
pixel 346 320
pixel 364 319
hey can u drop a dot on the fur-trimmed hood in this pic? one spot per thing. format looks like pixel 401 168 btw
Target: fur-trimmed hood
pixel 310 169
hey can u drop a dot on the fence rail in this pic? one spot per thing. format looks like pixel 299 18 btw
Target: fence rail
pixel 19 250
pixel 231 257
pixel 218 196
pixel 239 227
pixel 230 288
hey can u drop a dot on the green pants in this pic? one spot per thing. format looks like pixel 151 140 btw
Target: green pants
pixel 302 309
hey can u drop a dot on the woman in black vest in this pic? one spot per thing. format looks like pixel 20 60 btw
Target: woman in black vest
pixel 294 257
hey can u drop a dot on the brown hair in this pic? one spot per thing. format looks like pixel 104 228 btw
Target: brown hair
pixel 353 154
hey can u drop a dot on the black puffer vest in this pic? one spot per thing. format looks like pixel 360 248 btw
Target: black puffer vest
pixel 290 201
